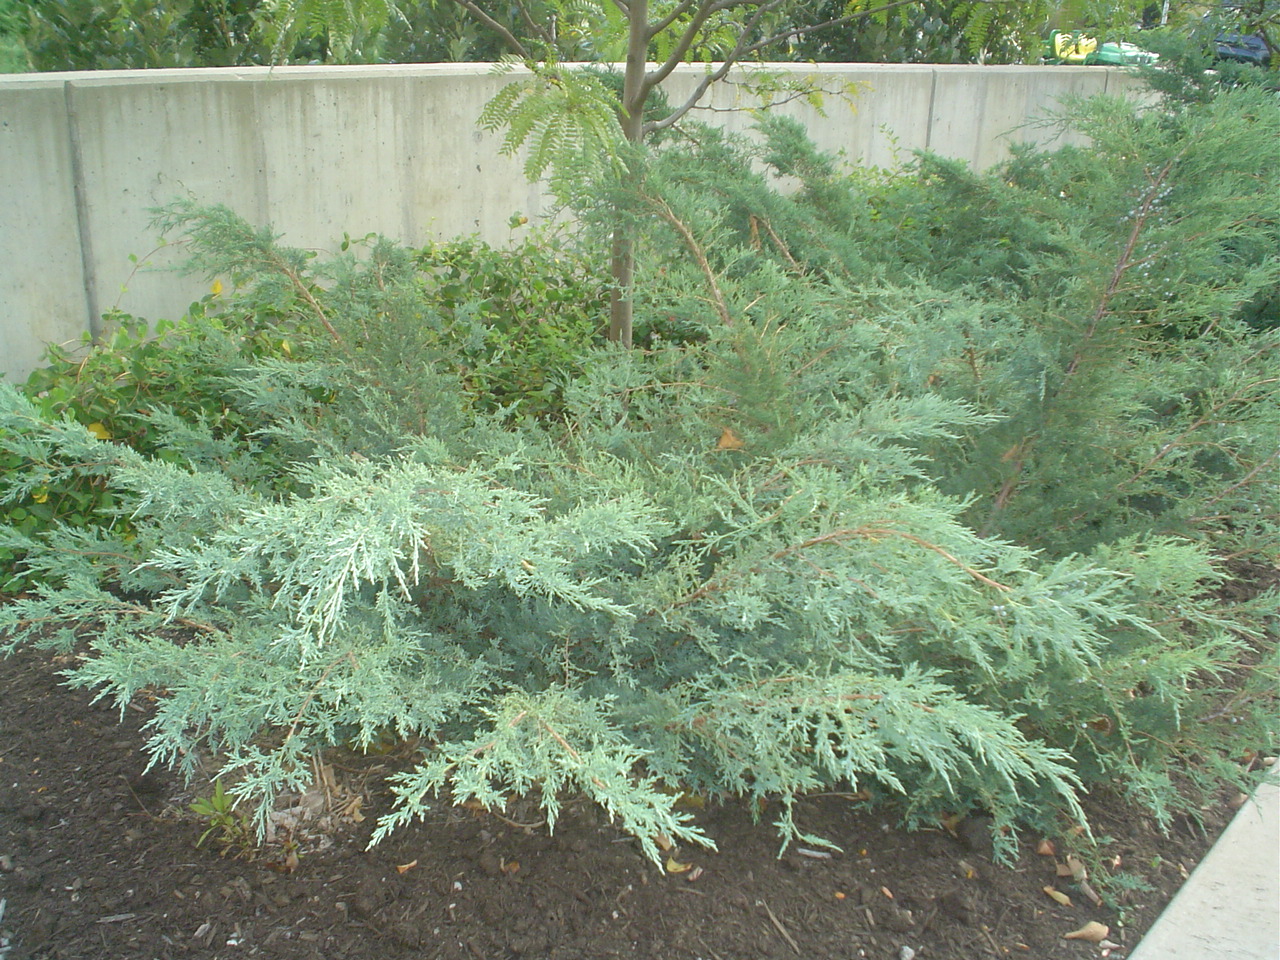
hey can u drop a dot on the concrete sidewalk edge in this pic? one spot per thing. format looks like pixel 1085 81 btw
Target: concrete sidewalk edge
pixel 1229 908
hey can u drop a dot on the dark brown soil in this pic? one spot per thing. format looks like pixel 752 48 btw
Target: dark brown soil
pixel 99 861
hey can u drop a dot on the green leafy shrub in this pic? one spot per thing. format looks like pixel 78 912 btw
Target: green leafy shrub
pixel 511 321
pixel 683 587
pixel 525 312
pixel 136 388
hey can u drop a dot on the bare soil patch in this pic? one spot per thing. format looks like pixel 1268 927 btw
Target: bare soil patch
pixel 98 860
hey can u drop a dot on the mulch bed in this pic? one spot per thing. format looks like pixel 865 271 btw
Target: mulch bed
pixel 98 860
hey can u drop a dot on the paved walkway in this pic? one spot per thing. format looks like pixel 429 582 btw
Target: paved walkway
pixel 1230 907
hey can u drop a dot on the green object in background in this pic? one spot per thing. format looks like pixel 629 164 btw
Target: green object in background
pixel 1121 54
pixel 1075 47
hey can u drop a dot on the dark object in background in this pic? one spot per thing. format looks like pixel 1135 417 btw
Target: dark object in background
pixel 1243 49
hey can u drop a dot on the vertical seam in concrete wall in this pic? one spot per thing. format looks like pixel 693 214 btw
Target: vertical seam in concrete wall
pixel 93 316
pixel 929 118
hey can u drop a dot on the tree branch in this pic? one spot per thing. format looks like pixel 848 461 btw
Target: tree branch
pixel 680 10
pixel 717 297
pixel 507 36
pixel 541 32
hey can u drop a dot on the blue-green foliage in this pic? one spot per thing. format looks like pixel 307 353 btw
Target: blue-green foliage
pixel 786 545
pixel 1111 307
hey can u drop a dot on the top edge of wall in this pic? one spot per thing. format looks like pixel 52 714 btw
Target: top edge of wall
pixel 382 70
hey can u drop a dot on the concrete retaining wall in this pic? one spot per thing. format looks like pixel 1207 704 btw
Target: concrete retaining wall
pixel 316 151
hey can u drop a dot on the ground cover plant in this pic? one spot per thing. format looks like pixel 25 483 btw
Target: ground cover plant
pixel 847 520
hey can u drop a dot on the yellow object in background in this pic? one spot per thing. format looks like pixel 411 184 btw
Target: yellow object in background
pixel 1073 47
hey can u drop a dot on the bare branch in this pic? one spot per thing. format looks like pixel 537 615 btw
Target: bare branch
pixel 538 30
pixel 717 297
pixel 507 36
pixel 680 10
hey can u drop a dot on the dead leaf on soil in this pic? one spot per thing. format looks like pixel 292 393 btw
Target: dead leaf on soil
pixel 1046 848
pixel 351 809
pixel 1092 931
pixel 406 867
pixel 1058 895
pixel 675 866
pixel 1091 893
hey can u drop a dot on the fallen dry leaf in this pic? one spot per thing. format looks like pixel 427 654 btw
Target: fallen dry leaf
pixel 1103 724
pixel 1092 931
pixel 675 866
pixel 1058 895
pixel 1046 848
pixel 1078 873
pixel 664 843
pixel 406 867
pixel 729 440
pixel 1091 893
pixel 887 892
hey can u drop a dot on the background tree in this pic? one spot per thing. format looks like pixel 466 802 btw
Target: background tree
pixel 580 127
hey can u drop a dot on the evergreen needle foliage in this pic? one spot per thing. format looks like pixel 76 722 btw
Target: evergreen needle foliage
pixel 785 547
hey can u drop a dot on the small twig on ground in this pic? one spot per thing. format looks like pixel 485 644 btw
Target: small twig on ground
pixel 781 929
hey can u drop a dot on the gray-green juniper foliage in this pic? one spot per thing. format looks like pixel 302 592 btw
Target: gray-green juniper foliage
pixel 742 560
pixel 622 607
pixel 1111 308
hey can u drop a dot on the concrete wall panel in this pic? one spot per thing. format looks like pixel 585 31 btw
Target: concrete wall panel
pixel 316 151
pixel 1004 103
pixel 42 287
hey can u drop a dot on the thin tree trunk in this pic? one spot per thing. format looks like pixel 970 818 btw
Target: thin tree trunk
pixel 635 91
pixel 622 268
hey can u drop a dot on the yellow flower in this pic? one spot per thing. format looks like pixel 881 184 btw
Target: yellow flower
pixel 216 289
pixel 40 497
